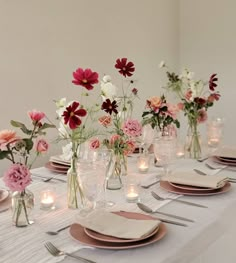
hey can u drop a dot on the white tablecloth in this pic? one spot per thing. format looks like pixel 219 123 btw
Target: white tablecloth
pixel 207 240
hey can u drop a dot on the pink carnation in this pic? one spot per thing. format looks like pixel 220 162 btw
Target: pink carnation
pixel 41 146
pixel 132 128
pixel 36 115
pixel 17 177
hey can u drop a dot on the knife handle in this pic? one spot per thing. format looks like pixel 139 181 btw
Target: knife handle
pixel 172 222
pixel 174 216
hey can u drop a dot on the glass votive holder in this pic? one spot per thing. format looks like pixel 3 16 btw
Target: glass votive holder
pixel 214 132
pixel 132 191
pixel 143 163
pixel 47 199
pixel 180 153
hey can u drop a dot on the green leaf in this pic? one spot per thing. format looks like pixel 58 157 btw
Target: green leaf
pixel 29 144
pixel 47 125
pixel 17 124
pixel 4 154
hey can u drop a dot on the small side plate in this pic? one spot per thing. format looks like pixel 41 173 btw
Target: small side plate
pixel 3 194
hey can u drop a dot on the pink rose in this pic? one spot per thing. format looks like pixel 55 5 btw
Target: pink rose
pixel 130 147
pixel 41 146
pixel 114 138
pixel 188 94
pixel 94 144
pixel 17 177
pixel 172 110
pixel 105 120
pixel 202 116
pixel 36 115
pixel 132 128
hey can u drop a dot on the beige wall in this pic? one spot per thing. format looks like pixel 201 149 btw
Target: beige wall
pixel 44 41
pixel 208 45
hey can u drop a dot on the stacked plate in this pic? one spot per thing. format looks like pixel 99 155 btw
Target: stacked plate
pixel 95 239
pixel 193 190
pixel 226 156
pixel 58 165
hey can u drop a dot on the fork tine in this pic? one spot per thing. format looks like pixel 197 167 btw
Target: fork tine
pixel 53 248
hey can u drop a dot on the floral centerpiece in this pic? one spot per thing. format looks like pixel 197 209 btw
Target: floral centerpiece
pixel 122 129
pixel 195 101
pixel 76 121
pixel 18 150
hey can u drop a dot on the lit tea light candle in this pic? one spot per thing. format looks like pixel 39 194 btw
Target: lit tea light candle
pixel 180 154
pixel 47 199
pixel 132 193
pixel 143 163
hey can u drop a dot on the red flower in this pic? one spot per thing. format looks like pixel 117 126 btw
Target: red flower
pixel 125 68
pixel 109 106
pixel 134 91
pixel 200 101
pixel 212 84
pixel 72 114
pixel 85 78
pixel 213 97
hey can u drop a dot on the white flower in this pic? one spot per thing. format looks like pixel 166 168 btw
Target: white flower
pixel 162 64
pixel 107 88
pixel 61 103
pixel 190 75
pixel 63 131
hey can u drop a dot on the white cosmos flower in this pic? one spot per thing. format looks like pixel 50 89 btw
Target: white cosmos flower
pixel 107 88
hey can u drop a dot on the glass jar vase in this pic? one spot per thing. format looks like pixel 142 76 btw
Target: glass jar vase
pixel 22 206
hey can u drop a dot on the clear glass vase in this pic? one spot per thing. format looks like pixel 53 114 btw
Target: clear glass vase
pixel 22 206
pixel 75 194
pixel 116 168
pixel 193 142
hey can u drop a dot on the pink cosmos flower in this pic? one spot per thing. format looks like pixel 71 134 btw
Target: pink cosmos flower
pixel 105 120
pixel 17 177
pixel 36 115
pixel 85 78
pixel 202 116
pixel 41 146
pixel 94 144
pixel 132 128
pixel 7 137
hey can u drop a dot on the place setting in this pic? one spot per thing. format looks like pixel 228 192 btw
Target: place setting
pixel 117 230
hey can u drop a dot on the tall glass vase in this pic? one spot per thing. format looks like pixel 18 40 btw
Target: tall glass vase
pixel 75 194
pixel 193 141
pixel 116 169
pixel 22 205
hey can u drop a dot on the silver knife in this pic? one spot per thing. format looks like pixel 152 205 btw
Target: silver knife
pixel 170 222
pixel 177 200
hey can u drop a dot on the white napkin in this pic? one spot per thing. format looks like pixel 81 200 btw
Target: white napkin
pixel 114 225
pixel 193 179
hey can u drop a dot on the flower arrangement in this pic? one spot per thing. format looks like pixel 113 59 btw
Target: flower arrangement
pixel 195 100
pixel 17 149
pixel 122 129
pixel 160 114
pixel 76 121
pixel 119 123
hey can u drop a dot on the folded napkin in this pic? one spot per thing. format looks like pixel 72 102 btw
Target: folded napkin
pixel 193 179
pixel 118 226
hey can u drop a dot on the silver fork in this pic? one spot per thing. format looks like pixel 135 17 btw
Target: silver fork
pixel 56 252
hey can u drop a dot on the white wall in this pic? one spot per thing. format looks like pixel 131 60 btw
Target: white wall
pixel 44 41
pixel 208 45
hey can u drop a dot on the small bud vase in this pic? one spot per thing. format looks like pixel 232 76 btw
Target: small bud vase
pixel 22 206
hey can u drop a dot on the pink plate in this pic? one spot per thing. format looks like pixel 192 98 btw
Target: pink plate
pixel 59 166
pixel 54 169
pixel 78 233
pixel 3 194
pixel 190 187
pixel 170 188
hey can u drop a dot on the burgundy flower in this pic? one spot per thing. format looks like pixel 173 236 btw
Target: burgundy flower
pixel 213 97
pixel 212 84
pixel 109 106
pixel 125 69
pixel 200 101
pixel 134 91
pixel 72 114
pixel 85 78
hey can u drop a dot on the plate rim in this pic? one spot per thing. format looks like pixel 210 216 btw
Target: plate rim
pixel 221 190
pixel 185 187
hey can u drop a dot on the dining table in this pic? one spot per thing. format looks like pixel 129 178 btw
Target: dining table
pixel 210 238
